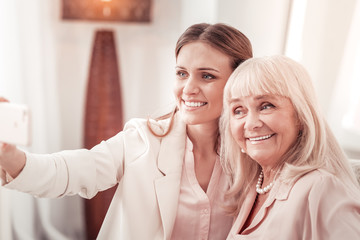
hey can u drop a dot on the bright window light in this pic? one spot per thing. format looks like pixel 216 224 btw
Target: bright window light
pixel 295 30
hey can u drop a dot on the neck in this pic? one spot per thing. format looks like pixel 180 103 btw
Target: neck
pixel 269 175
pixel 203 136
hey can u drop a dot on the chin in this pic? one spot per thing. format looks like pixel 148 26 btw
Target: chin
pixel 189 120
pixel 258 157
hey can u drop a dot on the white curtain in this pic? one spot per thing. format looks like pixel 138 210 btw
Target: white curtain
pixel 345 106
pixel 329 47
pixel 27 76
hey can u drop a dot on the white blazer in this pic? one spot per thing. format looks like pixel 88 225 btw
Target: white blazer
pixel 147 168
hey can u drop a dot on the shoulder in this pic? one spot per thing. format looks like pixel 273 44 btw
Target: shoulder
pixel 319 179
pixel 141 130
pixel 324 188
pixel 142 125
pixel 332 205
pixel 318 185
pixel 159 127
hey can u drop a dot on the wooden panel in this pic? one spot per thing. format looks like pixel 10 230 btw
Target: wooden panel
pixel 107 10
pixel 103 116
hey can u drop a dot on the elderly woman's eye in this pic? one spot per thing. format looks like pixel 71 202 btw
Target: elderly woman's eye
pixel 267 106
pixel 238 111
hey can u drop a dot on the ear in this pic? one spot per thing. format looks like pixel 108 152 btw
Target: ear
pixel 300 133
pixel 299 124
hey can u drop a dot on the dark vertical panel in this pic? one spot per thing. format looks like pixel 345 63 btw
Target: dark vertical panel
pixel 103 116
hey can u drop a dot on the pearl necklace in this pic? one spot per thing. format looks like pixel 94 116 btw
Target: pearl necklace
pixel 266 189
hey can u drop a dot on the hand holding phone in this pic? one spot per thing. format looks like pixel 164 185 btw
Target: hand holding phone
pixel 14 124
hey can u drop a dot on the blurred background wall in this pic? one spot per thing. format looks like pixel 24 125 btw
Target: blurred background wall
pixel 44 63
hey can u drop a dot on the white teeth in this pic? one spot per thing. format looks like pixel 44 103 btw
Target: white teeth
pixel 194 104
pixel 260 138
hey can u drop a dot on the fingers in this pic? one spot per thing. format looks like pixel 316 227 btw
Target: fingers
pixel 3 146
pixel 5 149
pixel 12 160
pixel 2 99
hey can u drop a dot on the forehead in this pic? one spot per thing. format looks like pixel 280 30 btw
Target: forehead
pixel 255 79
pixel 201 53
pixel 261 98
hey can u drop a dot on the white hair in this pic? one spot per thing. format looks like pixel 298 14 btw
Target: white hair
pixel 315 147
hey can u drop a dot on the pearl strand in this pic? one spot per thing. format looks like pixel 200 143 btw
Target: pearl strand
pixel 264 190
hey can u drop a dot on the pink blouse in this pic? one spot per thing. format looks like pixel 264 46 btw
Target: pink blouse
pixel 200 215
pixel 317 206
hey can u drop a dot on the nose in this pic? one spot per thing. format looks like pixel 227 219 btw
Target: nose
pixel 252 121
pixel 191 86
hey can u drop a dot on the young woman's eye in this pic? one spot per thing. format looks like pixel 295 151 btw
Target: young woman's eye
pixel 181 74
pixel 266 106
pixel 208 76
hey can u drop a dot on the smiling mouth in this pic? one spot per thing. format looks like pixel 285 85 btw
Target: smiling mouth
pixel 194 104
pixel 261 137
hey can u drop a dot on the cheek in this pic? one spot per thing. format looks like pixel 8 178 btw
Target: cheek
pixel 294 133
pixel 219 105
pixel 217 99
pixel 289 131
pixel 219 92
pixel 214 90
pixel 177 90
pixel 236 130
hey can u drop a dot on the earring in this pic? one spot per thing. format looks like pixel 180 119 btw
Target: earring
pixel 242 150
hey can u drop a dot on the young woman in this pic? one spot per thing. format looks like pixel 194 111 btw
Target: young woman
pixel 170 179
pixel 290 178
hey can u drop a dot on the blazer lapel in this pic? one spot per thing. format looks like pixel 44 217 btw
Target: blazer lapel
pixel 170 161
pixel 244 211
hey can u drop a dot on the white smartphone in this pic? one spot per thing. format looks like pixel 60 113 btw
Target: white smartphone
pixel 14 124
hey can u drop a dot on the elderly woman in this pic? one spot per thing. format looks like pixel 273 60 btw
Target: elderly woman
pixel 289 177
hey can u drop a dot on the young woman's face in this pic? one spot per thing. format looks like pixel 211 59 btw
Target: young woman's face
pixel 201 74
pixel 264 126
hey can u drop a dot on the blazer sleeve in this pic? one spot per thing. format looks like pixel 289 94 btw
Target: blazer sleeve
pixel 83 172
pixel 334 210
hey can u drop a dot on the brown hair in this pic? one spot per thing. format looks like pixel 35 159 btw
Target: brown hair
pixel 220 36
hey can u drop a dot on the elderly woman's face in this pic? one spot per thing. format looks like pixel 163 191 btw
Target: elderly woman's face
pixel 265 126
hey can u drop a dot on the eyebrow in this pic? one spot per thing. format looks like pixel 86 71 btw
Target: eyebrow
pixel 232 100
pixel 259 97
pixel 209 69
pixel 201 68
